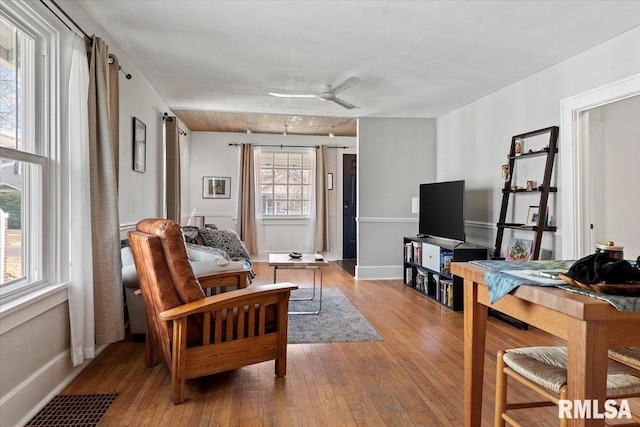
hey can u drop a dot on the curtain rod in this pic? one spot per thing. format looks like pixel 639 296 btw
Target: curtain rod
pixel 127 75
pixel 236 144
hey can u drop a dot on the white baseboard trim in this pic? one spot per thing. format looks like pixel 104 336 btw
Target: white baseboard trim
pixel 383 272
pixel 23 402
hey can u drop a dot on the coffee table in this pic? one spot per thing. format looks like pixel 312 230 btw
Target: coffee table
pixel 313 262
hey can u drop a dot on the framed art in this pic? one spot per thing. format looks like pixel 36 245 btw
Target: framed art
pixel 519 250
pixel 216 187
pixel 532 216
pixel 139 145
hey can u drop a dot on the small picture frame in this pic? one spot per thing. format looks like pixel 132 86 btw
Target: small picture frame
pixel 216 187
pixel 139 145
pixel 532 216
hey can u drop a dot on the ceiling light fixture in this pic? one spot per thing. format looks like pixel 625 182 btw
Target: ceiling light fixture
pixel 286 128
pixel 331 135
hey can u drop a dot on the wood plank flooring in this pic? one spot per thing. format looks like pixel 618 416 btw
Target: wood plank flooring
pixel 413 378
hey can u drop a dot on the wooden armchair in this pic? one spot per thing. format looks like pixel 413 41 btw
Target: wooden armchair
pixel 197 335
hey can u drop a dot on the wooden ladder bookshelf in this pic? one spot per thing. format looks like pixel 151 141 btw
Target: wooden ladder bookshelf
pixel 541 225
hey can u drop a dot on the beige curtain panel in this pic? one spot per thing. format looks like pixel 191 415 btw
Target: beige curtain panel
pixel 173 169
pixel 247 199
pixel 105 223
pixel 322 201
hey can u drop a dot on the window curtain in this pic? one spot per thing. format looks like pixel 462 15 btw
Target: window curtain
pixel 75 134
pixel 173 169
pixel 246 218
pixel 321 201
pixel 105 223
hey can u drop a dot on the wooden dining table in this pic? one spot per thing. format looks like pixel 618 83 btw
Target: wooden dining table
pixel 589 325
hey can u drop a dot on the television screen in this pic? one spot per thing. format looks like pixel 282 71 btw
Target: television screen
pixel 442 210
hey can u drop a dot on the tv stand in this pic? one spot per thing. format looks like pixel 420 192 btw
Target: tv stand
pixel 427 262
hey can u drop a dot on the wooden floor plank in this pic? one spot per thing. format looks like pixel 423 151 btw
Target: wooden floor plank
pixel 412 378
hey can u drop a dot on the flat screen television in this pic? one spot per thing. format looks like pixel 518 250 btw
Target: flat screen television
pixel 442 210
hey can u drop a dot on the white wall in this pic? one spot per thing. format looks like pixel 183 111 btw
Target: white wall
pixel 211 155
pixel 34 340
pixel 394 157
pixel 474 140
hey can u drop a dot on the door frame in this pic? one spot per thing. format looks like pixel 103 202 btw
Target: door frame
pixel 574 154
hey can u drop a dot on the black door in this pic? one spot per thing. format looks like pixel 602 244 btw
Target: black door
pixel 349 187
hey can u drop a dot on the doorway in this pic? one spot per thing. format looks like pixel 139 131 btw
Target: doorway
pixel 578 162
pixel 349 195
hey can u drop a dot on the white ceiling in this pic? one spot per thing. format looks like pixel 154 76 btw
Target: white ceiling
pixel 413 58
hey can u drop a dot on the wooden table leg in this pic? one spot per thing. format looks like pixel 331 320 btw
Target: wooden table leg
pixel 587 367
pixel 475 329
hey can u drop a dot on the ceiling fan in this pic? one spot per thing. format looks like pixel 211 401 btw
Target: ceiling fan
pixel 329 93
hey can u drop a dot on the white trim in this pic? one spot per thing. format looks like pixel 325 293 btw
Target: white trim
pixel 572 156
pixel 381 272
pixel 363 220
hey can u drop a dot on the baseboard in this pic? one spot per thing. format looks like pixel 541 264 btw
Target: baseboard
pixel 383 272
pixel 20 405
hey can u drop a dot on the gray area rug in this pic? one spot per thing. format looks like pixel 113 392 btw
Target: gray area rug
pixel 338 321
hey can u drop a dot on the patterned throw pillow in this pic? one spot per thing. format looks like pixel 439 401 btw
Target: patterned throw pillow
pixel 227 240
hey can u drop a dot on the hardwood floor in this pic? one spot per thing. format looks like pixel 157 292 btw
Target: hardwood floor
pixel 413 378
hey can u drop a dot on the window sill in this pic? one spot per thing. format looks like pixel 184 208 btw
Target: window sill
pixel 24 308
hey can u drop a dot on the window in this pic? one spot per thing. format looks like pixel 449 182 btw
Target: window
pixel 23 156
pixel 285 180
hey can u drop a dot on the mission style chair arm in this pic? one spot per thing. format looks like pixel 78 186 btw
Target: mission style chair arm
pixel 221 279
pixel 238 298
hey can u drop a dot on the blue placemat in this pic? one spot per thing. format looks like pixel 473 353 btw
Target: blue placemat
pixel 504 276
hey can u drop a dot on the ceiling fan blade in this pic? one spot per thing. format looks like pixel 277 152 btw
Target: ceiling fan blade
pixel 351 81
pixel 344 104
pixel 292 95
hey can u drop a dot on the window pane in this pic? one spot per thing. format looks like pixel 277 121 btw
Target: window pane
pixel 280 176
pixel 295 192
pixel 266 160
pixel 306 176
pixel 305 208
pixel 15 80
pixel 279 207
pixel 306 192
pixel 279 192
pixel 266 176
pixel 295 208
pixel 280 160
pixel 295 160
pixel 20 221
pixel 295 176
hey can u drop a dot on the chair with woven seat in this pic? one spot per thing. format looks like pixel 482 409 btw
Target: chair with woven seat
pixel 630 356
pixel 544 370
pixel 197 335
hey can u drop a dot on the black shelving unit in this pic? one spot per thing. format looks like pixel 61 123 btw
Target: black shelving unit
pixel 545 189
pixel 425 268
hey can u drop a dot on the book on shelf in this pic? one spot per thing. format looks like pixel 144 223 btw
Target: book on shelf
pixel 408 279
pixel 445 263
pixel 447 291
pixel 408 252
pixel 417 252
pixel 422 278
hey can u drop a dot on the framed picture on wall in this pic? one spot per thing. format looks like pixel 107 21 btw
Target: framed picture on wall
pixel 216 187
pixel 139 145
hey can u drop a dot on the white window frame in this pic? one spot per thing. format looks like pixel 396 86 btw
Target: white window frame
pixel 305 153
pixel 39 125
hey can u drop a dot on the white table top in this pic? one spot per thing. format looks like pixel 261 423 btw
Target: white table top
pixel 307 260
